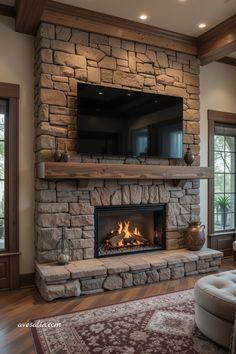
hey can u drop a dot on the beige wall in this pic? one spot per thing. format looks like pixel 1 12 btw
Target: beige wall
pixel 217 92
pixel 16 66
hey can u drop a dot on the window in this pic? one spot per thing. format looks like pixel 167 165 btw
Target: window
pixel 9 219
pixel 224 177
pixel 221 191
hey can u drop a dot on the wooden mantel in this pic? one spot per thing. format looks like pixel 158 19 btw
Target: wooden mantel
pixel 75 170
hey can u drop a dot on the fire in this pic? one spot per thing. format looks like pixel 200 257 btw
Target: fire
pixel 124 236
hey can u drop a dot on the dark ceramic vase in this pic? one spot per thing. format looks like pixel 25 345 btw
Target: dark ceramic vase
pixel 194 236
pixel 189 157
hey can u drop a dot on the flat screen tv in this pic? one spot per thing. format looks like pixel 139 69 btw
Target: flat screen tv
pixel 122 122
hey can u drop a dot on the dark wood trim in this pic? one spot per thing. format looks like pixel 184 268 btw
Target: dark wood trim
pixel 9 90
pixel 28 15
pixel 75 170
pixel 10 255
pixel 27 280
pixel 7 10
pixel 216 240
pixel 217 42
pixel 92 21
pixel 228 61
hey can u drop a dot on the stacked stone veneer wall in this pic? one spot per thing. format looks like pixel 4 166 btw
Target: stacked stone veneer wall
pixel 64 56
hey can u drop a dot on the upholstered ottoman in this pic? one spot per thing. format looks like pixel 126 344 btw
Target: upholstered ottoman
pixel 234 250
pixel 215 297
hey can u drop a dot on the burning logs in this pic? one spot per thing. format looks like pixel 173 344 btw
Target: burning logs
pixel 124 237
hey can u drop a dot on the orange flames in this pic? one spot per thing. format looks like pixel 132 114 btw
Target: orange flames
pixel 125 228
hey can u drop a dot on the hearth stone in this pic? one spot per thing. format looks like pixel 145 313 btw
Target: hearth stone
pixel 96 275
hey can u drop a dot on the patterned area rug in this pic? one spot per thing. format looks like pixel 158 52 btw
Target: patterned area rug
pixel 155 325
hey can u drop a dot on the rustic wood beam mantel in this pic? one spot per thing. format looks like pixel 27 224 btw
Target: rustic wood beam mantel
pixel 28 15
pixel 92 21
pixel 217 42
pixel 75 170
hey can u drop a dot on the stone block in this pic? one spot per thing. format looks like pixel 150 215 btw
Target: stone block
pixel 164 195
pixel 70 60
pixel 73 233
pixel 116 198
pixel 177 273
pixel 63 33
pixel 86 268
pixel 52 207
pixel 135 263
pixel 190 267
pixel 152 276
pixel 112 282
pixel 98 39
pixel 47 239
pixel 94 75
pixel 53 220
pixel 92 284
pixel 89 52
pixel 153 194
pixel 46 30
pixel 127 279
pixel 145 68
pixel 50 96
pixel 88 253
pixel 81 74
pixel 52 272
pixel 79 37
pixel 127 79
pixel 162 59
pixel 46 196
pixel 164 274
pixel 108 63
pixel 201 264
pixel 82 220
pixel 72 288
pixel 125 194
pixel 81 209
pixel 51 292
pixel 139 278
pixel 135 194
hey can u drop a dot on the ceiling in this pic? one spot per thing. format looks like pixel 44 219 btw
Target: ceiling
pixel 182 16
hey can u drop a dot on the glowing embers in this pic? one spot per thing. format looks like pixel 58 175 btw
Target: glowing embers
pixel 124 236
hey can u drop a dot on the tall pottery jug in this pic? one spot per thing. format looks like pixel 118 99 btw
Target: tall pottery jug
pixel 194 236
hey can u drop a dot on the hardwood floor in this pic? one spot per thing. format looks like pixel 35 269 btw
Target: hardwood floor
pixel 25 304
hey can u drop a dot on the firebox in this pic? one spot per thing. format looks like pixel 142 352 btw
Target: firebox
pixel 129 229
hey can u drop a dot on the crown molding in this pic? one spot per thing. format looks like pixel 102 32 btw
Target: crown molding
pixel 92 21
pixel 217 42
pixel 228 60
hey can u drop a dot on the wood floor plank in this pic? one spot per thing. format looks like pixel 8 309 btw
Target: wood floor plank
pixel 25 304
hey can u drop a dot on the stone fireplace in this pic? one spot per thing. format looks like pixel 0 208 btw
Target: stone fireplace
pixel 129 229
pixel 64 56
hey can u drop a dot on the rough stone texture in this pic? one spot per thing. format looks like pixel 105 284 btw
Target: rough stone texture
pixel 113 282
pixel 65 55
pixel 94 276
pixel 139 278
pixel 127 279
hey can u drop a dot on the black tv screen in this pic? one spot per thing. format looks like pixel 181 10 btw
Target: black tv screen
pixel 122 122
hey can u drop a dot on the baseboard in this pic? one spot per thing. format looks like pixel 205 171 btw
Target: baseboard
pixel 26 280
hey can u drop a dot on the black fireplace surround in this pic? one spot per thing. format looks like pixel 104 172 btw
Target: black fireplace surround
pixel 128 229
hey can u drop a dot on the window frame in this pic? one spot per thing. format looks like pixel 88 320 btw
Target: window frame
pixel 217 240
pixel 9 257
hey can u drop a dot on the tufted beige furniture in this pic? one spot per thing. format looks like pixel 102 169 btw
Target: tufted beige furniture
pixel 215 297
pixel 234 250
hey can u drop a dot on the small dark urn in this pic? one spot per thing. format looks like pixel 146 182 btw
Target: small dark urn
pixel 57 154
pixel 194 236
pixel 65 156
pixel 189 157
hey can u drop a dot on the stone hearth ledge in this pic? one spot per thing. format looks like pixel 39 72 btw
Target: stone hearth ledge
pixel 96 275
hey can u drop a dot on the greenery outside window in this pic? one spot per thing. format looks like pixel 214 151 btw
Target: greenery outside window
pixel 224 177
